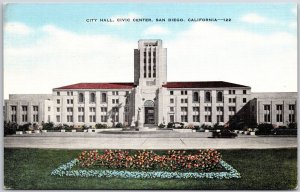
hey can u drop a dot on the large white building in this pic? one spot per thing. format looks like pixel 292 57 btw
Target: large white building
pixel 152 99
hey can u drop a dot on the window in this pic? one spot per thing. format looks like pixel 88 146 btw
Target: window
pixel 292 118
pixel 80 109
pixel 103 118
pixel 103 98
pixel 58 101
pixel 115 118
pixel 171 92
pixel 58 93
pixel 117 101
pixel 103 109
pixel 14 118
pixel 231 92
pixel 184 92
pixel 207 96
pixel 207 118
pixel 292 107
pixel 219 96
pixel 231 108
pixel 48 118
pixel 278 117
pixel 80 118
pixel 24 108
pixel 267 107
pixel 278 107
pixel 171 100
pixel 184 109
pixel 14 108
pixel 92 98
pixel 220 118
pixel 115 92
pixel 267 117
pixel 172 118
pixel 184 100
pixel 80 98
pixel 35 108
pixel 232 100
pixel 35 118
pixel 115 109
pixel 49 108
pixel 244 100
pixel 184 118
pixel 196 118
pixel 244 92
pixel 207 109
pixel 68 101
pixel 24 118
pixel 220 109
pixel 57 109
pixel 195 97
pixel 68 93
pixel 171 109
pixel 196 109
pixel 92 118
pixel 70 109
pixel 92 109
pixel 57 118
pixel 69 118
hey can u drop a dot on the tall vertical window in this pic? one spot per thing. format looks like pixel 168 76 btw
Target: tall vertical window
pixel 92 98
pixel 172 118
pixel 57 118
pixel 24 108
pixel 80 98
pixel 207 96
pixel 219 96
pixel 14 108
pixel 35 108
pixel 220 118
pixel 195 97
pixel 103 98
pixel 267 114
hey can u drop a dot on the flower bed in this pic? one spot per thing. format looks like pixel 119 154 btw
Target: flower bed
pixel 147 164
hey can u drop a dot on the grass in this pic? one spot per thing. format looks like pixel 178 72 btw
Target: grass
pixel 260 169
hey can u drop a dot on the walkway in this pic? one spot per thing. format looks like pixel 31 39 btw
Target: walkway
pixel 158 140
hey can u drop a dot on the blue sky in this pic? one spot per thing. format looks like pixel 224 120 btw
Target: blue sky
pixel 55 28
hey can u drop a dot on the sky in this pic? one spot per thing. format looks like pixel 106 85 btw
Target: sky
pixel 53 45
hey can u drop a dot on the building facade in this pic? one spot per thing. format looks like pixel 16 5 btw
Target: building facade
pixel 152 100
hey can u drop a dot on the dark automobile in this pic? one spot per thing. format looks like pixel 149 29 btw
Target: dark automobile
pixel 224 134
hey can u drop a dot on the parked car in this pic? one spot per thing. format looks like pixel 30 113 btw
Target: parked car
pixel 224 134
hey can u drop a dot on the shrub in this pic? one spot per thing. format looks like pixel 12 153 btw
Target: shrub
pixel 200 161
pixel 119 125
pixel 292 125
pixel 161 125
pixel 101 126
pixel 48 126
pixel 170 125
pixel 264 129
pixel 24 127
pixel 10 128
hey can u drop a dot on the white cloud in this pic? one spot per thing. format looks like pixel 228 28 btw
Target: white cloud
pixel 122 19
pixel 204 52
pixel 293 25
pixel 156 30
pixel 17 28
pixel 255 19
pixel 209 52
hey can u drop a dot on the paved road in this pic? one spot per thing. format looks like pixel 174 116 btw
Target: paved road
pixel 144 141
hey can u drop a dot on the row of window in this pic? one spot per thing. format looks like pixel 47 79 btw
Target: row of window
pixel 230 92
pixel 208 98
pixel 92 118
pixel 91 109
pixel 25 108
pixel 279 118
pixel 208 109
pixel 35 118
pixel 279 107
pixel 196 118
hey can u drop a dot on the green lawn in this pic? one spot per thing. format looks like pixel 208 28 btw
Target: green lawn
pixel 260 169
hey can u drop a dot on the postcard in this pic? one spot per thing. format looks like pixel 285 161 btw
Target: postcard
pixel 130 96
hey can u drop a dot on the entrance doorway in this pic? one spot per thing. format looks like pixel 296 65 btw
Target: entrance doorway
pixel 149 112
pixel 149 115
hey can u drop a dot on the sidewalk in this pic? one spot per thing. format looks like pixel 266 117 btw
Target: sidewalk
pixel 145 141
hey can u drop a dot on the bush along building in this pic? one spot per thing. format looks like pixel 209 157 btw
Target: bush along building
pixel 152 100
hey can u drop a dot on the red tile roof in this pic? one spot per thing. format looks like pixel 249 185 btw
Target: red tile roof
pixel 98 86
pixel 202 84
pixel 193 84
